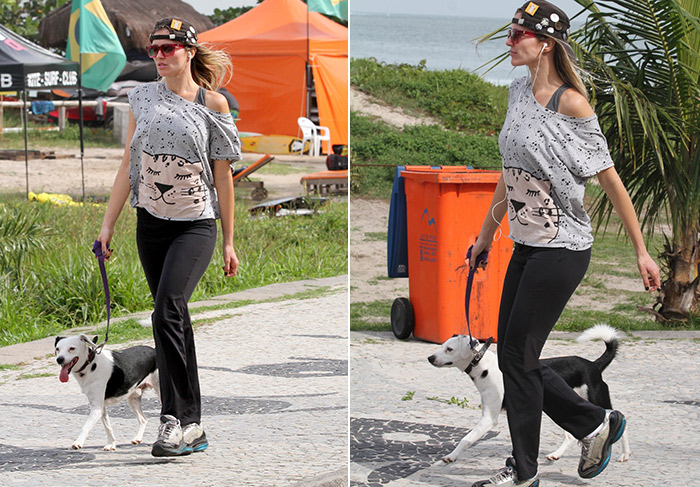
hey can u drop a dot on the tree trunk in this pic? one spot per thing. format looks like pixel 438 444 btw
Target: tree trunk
pixel 679 293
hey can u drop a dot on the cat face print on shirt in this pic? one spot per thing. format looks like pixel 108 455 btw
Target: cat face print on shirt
pixel 533 215
pixel 172 187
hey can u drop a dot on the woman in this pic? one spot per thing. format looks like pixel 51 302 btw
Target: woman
pixel 182 143
pixel 550 144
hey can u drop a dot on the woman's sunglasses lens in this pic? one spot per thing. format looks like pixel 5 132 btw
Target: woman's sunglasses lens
pixel 167 50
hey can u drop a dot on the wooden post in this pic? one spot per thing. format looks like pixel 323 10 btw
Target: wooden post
pixel 61 118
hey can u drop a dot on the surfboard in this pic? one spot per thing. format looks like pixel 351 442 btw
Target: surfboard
pixel 273 144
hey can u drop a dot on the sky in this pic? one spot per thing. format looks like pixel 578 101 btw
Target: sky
pixel 207 7
pixel 461 8
pixel 458 8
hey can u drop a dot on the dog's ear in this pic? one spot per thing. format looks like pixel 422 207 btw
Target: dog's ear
pixel 87 340
pixel 58 339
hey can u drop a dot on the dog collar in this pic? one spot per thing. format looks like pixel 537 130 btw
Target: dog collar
pixel 91 357
pixel 478 356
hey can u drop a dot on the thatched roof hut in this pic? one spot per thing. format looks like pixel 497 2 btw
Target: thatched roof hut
pixel 132 19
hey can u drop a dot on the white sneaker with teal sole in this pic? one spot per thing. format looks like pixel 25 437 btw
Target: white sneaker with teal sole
pixel 195 437
pixel 170 442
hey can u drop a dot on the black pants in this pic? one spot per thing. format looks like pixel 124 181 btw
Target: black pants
pixel 174 256
pixel 537 286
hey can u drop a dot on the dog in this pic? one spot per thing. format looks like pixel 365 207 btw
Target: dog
pixel 107 378
pixel 584 376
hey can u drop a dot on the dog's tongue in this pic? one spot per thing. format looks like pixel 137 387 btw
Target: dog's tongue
pixel 64 375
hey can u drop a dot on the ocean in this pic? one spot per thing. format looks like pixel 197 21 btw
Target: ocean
pixel 444 42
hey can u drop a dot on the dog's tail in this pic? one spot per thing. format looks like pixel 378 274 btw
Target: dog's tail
pixel 611 338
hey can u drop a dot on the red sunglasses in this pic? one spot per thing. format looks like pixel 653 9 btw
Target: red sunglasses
pixel 516 35
pixel 166 49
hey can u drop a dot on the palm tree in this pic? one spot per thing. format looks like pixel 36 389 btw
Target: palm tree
pixel 644 58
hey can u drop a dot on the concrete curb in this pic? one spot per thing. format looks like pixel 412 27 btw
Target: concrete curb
pixel 24 352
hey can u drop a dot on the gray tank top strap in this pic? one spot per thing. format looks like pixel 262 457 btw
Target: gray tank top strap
pixel 553 103
pixel 201 97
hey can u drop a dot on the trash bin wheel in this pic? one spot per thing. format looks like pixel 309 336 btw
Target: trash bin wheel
pixel 402 318
pixel 259 194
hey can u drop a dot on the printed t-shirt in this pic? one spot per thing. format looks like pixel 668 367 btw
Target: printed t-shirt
pixel 172 152
pixel 547 159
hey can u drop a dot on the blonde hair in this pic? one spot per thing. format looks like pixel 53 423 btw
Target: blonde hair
pixel 568 70
pixel 211 68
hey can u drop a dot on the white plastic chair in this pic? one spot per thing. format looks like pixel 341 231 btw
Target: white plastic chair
pixel 315 134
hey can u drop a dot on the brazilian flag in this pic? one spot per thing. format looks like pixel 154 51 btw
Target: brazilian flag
pixel 337 8
pixel 93 42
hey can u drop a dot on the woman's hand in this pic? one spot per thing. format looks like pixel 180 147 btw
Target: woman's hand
pixel 230 266
pixel 649 271
pixel 105 238
pixel 477 249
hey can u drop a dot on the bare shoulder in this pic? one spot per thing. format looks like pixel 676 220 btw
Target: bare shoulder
pixel 574 104
pixel 217 101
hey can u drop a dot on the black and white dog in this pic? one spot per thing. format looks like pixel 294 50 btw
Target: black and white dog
pixel 107 378
pixel 584 376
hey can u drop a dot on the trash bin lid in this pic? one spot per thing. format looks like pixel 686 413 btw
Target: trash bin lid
pixel 451 174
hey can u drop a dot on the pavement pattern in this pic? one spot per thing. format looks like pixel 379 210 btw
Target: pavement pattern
pixel 405 415
pixel 274 381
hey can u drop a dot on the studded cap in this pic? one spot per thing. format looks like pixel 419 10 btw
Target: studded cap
pixel 544 18
pixel 178 30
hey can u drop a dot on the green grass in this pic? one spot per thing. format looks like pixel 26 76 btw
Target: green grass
pixel 10 367
pixel 470 110
pixel 60 287
pixel 373 315
pixel 462 101
pixel 375 236
pixel 463 403
pixel 35 375
pixel 69 138
pixel 281 169
pixel 378 148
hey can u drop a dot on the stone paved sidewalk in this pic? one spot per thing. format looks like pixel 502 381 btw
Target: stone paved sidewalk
pixel 274 391
pixel 399 443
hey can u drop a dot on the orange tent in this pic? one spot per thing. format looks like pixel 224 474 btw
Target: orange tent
pixel 268 46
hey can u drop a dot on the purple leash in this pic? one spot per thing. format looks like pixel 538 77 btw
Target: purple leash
pixel 97 249
pixel 481 258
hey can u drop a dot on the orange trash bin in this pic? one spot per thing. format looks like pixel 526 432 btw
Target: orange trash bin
pixel 445 207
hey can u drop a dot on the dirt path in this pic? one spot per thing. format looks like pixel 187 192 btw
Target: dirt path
pixel 395 116
pixel 64 175
pixel 368 266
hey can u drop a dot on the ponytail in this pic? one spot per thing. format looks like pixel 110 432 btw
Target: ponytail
pixel 567 69
pixel 211 68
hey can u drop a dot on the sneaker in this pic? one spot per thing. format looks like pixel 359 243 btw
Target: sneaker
pixel 595 451
pixel 194 437
pixel 170 442
pixel 508 476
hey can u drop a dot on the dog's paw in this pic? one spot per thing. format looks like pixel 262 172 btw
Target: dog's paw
pixel 553 458
pixel 110 447
pixel 448 459
pixel 77 446
pixel 624 457
pixel 136 441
